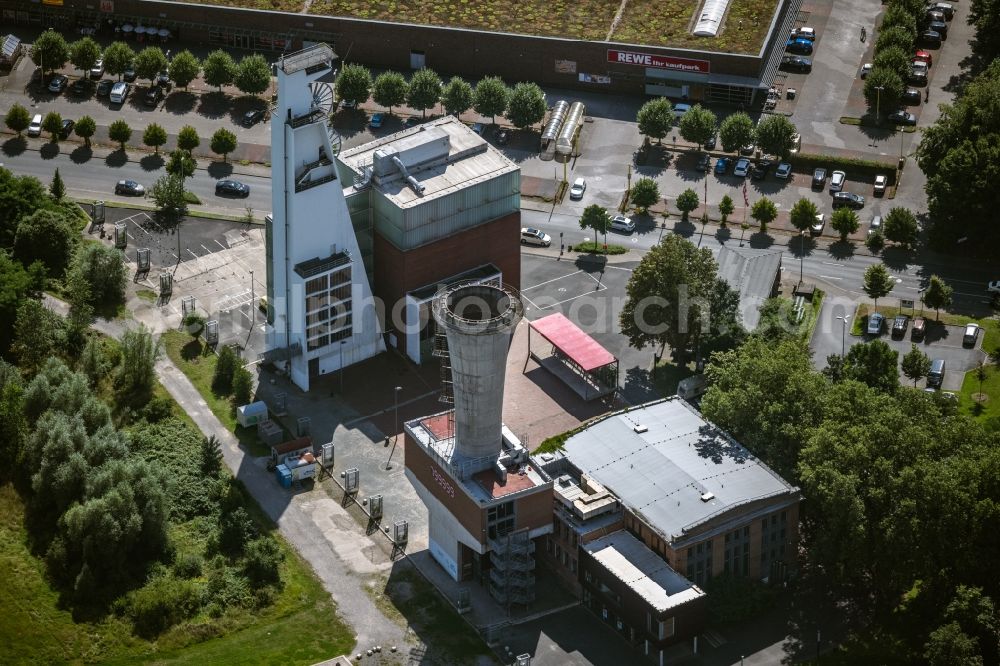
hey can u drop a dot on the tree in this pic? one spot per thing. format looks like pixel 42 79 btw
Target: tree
pixel 242 386
pixel 845 222
pixel 776 135
pixel 120 132
pixel 253 75
pixel 891 85
pixel 893 59
pixel 645 193
pixel 526 105
pixel 84 54
pixel 47 236
pixel 225 369
pixel 903 27
pixel 457 96
pixel 873 363
pixel 901 227
pixel 698 125
pixel 13 425
pixel 236 529
pixel 50 52
pixel 354 83
pixel 424 91
pixel 389 90
pixel 803 214
pixel 17 119
pixel 985 16
pixel 180 163
pixel 687 201
pixel 136 375
pixel 154 136
pixel 916 364
pixel 948 645
pixel 597 218
pixel 937 295
pixel 655 118
pixel 16 286
pixel 726 208
pixel 150 62
pixel 85 128
pixel 211 456
pixel 103 270
pixel 118 57
pixel 490 97
pixel 39 334
pixel 57 188
pixel 184 68
pixel 262 560
pixel 223 142
pixel 187 138
pixel 194 324
pixel 736 131
pixel 52 123
pixel 168 195
pixel 875 242
pixel 218 69
pixel 19 196
pixel 763 211
pixel 877 282
pixel 668 298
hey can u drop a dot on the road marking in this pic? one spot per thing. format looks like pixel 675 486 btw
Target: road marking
pixel 618 268
pixel 830 277
pixel 548 281
pixel 529 300
pixel 572 298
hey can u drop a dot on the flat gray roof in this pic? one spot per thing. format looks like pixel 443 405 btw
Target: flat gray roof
pixel 471 159
pixel 678 471
pixel 751 273
pixel 645 572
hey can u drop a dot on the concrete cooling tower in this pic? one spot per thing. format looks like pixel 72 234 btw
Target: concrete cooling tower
pixel 478 320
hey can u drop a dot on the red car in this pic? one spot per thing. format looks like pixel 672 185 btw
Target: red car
pixel 923 56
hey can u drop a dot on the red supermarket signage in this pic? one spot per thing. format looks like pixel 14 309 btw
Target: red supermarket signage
pixel 658 61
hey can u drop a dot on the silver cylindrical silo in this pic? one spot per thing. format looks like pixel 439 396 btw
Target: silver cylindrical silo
pixel 478 320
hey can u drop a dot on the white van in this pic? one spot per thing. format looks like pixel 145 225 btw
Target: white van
pixel 119 92
pixel 35 128
pixel 680 110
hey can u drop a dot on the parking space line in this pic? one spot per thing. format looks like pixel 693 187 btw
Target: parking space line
pixel 572 298
pixel 548 281
pixel 531 302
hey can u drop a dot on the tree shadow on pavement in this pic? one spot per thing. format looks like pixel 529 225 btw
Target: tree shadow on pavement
pixel 801 246
pixel 15 146
pixel 723 234
pixel 116 159
pixel 761 239
pixel 49 151
pixel 897 258
pixel 842 250
pixel 214 105
pixel 220 169
pixel 151 162
pixel 180 102
pixel 685 228
pixel 81 154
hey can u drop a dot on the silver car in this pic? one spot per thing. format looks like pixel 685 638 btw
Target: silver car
pixel 531 236
pixel 577 190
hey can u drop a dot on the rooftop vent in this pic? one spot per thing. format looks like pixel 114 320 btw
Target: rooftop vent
pixel 639 428
pixel 707 497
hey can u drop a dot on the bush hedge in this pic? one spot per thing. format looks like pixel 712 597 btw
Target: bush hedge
pixel 861 169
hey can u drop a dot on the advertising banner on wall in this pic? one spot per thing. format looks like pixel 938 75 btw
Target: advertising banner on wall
pixel 658 61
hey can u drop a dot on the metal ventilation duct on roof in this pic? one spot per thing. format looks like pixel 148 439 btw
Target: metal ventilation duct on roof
pixel 710 19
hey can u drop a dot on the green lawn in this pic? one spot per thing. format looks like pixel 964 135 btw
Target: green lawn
pixel 989 408
pixel 992 326
pixel 191 357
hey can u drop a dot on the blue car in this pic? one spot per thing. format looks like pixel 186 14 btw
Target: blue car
pixel 799 46
pixel 376 121
pixel 722 166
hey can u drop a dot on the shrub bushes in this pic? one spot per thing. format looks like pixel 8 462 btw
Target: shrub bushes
pixel 161 604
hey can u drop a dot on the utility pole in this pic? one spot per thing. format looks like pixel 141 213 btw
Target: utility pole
pixel 878 115
pixel 802 254
pixel 843 335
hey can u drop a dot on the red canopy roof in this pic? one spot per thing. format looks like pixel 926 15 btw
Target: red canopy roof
pixel 571 341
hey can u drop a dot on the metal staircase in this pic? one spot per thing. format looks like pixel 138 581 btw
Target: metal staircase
pixel 441 351
pixel 512 561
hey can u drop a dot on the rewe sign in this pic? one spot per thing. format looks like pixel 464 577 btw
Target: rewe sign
pixel 658 61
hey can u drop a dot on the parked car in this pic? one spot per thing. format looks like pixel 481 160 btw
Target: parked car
pixel 805 32
pixel 917 78
pixel 837 181
pixel 97 71
pixel 875 323
pixel 67 128
pixel 722 166
pixel 742 167
pixel 377 120
pixel 946 8
pixel 129 75
pixel 919 329
pixel 252 117
pixel 924 56
pixel 119 92
pixel 902 118
pixel 503 135
pixel 993 287
pixel 939 27
pixel 531 236
pixel 577 190
pixel 760 171
pixel 130 188
pixel 936 375
pixel 819 179
pixel 704 163
pixel 478 128
pixel 796 63
pixel 969 337
pixel 911 96
pixel 79 87
pixel 232 188
pixel 930 38
pixel 35 126
pixel 816 228
pixel 58 83
pixel 348 104
pixel 799 46
pixel 163 80
pixel 710 144
pixel 680 110
pixel 784 171
pixel 934 15
pixel 747 150
pixel 622 224
pixel 848 199
pixel 919 67
pixel 153 96
pixel 881 180
pixel 866 69
pixel 876 225
pixel 899 326
pixel 104 87
pixel 796 143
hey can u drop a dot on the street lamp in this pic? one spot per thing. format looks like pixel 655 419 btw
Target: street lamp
pixel 342 343
pixel 253 310
pixel 878 114
pixel 843 335
pixel 802 254
pixel 395 396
